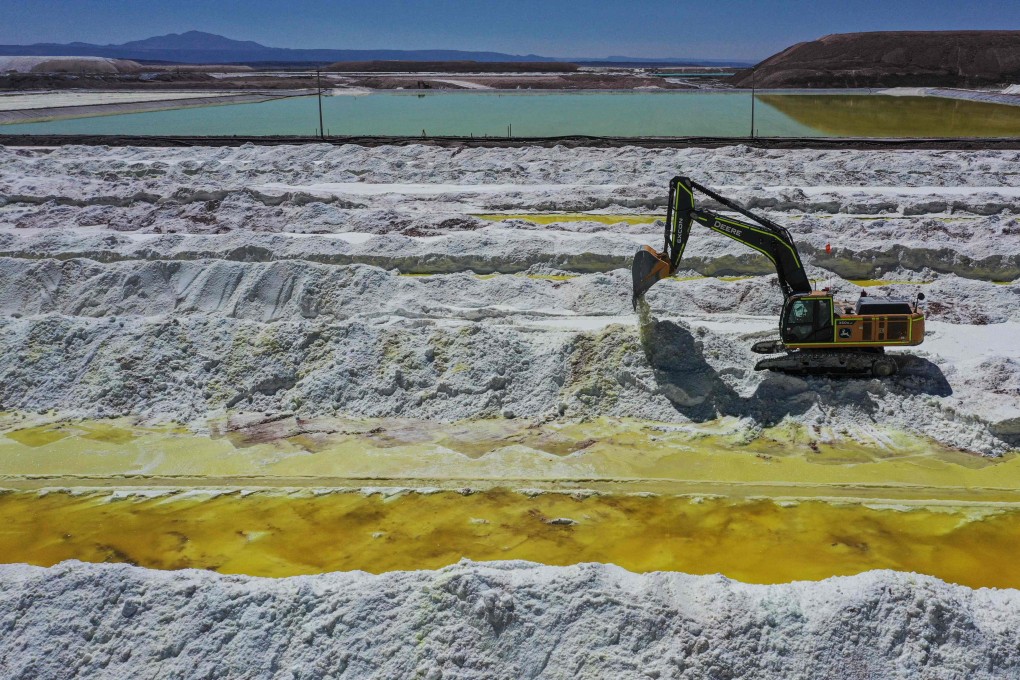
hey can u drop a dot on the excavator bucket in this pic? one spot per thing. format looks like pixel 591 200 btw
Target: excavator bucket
pixel 648 268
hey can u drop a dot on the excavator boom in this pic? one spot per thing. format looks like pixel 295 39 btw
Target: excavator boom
pixel 763 235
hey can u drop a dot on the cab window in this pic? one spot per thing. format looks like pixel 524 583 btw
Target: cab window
pixel 824 308
pixel 808 320
pixel 802 312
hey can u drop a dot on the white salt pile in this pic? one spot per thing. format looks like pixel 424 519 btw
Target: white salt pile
pixel 67 64
pixel 184 283
pixel 497 620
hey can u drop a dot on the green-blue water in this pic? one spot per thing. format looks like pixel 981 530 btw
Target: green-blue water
pixel 478 114
pixel 619 114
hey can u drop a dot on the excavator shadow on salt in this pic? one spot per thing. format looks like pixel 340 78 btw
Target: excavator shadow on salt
pixel 699 392
pixel 817 333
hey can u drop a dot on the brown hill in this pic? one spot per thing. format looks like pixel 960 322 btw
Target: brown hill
pixel 893 59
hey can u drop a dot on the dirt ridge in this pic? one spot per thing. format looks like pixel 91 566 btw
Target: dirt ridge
pixel 893 59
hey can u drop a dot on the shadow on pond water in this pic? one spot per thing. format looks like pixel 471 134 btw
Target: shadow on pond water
pixel 885 116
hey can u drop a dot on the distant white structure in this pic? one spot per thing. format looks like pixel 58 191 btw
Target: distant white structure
pixel 67 65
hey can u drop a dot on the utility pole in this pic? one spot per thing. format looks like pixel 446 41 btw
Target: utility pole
pixel 318 87
pixel 752 101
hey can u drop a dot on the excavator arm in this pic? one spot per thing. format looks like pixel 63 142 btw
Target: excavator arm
pixel 768 238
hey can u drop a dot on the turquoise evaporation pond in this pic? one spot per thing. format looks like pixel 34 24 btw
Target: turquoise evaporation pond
pixel 619 114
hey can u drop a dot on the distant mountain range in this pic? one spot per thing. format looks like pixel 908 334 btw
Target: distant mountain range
pixel 197 47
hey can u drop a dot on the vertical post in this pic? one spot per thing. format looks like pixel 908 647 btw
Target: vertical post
pixel 318 87
pixel 752 101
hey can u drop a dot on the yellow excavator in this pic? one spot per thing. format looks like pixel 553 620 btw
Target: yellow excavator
pixel 817 334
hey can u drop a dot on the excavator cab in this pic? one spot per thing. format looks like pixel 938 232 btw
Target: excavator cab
pixel 816 321
pixel 808 319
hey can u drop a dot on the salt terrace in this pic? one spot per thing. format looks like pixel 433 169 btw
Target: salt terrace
pixel 288 360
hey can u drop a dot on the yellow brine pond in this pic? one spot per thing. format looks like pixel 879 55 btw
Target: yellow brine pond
pixel 289 496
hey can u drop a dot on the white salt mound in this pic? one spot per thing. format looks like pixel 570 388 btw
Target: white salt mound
pixel 67 65
pixel 497 620
pixel 178 284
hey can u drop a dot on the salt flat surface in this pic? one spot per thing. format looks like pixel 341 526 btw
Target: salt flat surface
pixel 1012 192
pixel 464 83
pixel 334 92
pixel 375 189
pixel 46 100
pixel 904 92
pixel 498 620
pixel 306 251
pixel 956 343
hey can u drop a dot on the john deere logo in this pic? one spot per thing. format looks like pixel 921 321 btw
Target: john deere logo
pixel 727 228
pixel 845 333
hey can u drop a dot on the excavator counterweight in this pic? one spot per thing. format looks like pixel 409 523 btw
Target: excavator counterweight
pixel 817 333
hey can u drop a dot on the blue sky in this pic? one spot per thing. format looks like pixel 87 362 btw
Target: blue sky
pixel 737 29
